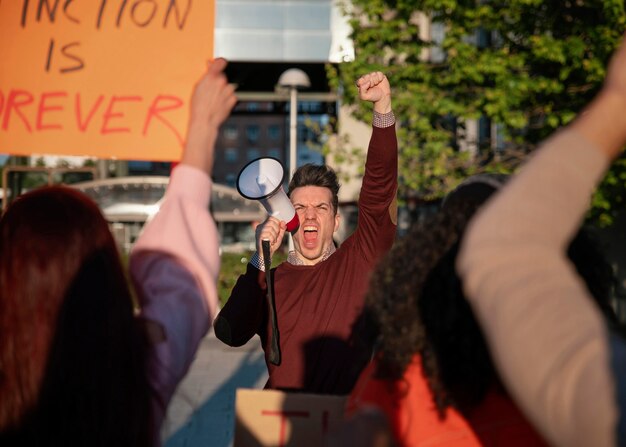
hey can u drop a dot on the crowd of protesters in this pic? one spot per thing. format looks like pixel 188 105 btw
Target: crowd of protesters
pixel 488 324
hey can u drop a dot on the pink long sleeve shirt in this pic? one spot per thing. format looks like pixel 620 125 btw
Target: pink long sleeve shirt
pixel 174 266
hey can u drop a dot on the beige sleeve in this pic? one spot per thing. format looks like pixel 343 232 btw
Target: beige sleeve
pixel 548 341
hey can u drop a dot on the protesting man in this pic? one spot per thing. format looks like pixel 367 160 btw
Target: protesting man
pixel 319 290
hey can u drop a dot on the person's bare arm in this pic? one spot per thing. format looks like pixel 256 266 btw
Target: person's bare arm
pixel 603 123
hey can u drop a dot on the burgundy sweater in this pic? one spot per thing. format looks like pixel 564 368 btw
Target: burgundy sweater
pixel 317 305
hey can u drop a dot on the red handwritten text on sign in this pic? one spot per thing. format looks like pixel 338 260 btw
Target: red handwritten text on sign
pixel 108 78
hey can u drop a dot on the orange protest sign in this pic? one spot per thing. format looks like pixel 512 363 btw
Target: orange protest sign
pixel 104 78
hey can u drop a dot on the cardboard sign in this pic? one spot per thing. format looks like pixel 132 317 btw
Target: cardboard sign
pixel 104 78
pixel 277 419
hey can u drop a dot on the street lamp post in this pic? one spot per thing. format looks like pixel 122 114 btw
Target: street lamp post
pixel 293 130
pixel 293 79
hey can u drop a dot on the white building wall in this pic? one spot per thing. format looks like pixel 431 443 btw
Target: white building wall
pixel 281 30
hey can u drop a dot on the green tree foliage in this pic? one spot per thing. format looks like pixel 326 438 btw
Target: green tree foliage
pixel 527 66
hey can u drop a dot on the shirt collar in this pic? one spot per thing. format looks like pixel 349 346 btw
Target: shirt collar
pixel 293 258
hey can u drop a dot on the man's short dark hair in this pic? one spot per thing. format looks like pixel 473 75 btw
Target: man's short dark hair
pixel 316 175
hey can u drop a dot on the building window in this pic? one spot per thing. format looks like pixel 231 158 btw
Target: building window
pixel 231 179
pixel 306 134
pixel 311 107
pixel 231 155
pixel 230 132
pixel 252 132
pixel 274 153
pixel 253 154
pixel 273 132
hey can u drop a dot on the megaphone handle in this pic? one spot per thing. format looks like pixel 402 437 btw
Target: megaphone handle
pixel 274 343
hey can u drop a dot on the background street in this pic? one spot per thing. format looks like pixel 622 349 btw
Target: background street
pixel 201 412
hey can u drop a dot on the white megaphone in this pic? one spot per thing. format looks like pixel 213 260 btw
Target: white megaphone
pixel 262 180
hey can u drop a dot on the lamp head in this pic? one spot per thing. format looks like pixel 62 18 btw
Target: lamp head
pixel 294 77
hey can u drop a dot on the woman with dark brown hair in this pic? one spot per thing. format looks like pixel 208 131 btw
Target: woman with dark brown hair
pixel 72 356
pixel 433 375
pixel 78 365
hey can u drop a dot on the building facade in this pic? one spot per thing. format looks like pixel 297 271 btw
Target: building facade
pixel 262 39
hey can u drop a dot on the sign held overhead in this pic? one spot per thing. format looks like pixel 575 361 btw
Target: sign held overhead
pixel 103 78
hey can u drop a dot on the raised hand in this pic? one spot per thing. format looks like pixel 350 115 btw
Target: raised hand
pixel 603 122
pixel 374 87
pixel 272 230
pixel 211 103
pixel 213 98
pixel 615 80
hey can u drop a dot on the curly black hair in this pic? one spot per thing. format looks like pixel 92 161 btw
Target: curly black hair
pixel 416 305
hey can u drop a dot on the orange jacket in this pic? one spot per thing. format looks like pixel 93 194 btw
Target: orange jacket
pixel 413 417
